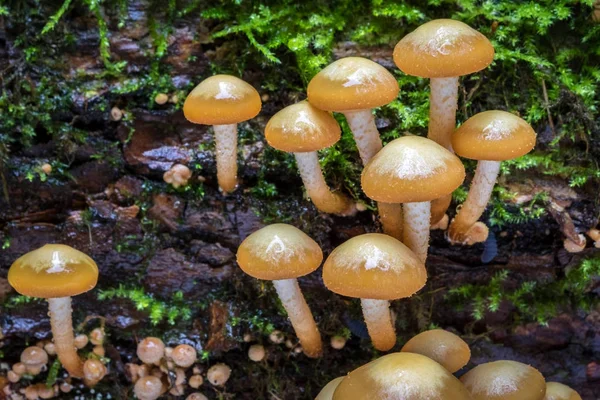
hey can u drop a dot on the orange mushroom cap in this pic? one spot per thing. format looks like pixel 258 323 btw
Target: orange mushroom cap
pixel 302 128
pixel 222 100
pixel 441 346
pixel 443 48
pixel 558 391
pixel 54 270
pixel 412 169
pixel 493 136
pixel 352 83
pixel 279 251
pixel 374 266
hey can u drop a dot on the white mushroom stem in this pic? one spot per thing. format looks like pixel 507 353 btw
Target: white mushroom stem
pixel 390 215
pixel 477 200
pixel 300 316
pixel 62 331
pixel 443 101
pixel 318 191
pixel 226 154
pixel 379 323
pixel 417 218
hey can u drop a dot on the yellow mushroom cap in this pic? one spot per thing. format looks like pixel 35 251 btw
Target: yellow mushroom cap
pixel 505 380
pixel 222 100
pixel 54 270
pixel 412 169
pixel 441 346
pixel 279 251
pixel 302 128
pixel 443 48
pixel 493 136
pixel 327 392
pixel 352 83
pixel 374 266
pixel 405 376
pixel 558 391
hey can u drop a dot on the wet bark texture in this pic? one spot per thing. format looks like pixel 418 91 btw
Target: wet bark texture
pixel 142 233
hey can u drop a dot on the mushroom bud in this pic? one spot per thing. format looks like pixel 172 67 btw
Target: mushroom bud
pixel 504 380
pixel 93 372
pixel 558 391
pixel 441 346
pixel 34 359
pixel 489 137
pixel 151 350
pixel 184 355
pixel 178 175
pixel 218 374
pixel 223 101
pixel 281 253
pixel 327 392
pixel 256 352
pixel 149 388
pixel 302 129
pixel 375 268
pixel 56 272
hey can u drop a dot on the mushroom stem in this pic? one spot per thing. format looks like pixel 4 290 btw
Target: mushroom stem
pixel 390 215
pixel 300 316
pixel 477 200
pixel 379 323
pixel 318 191
pixel 62 331
pixel 226 154
pixel 416 227
pixel 442 110
pixel 366 135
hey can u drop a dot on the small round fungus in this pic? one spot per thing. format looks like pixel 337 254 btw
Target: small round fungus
pixel 256 352
pixel 184 355
pixel 558 391
pixel 338 342
pixel 218 374
pixel 441 346
pixel 149 388
pixel 93 372
pixel 178 175
pixel 151 350
pixel 34 359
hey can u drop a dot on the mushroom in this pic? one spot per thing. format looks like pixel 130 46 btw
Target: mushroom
pixel 337 342
pixel 443 50
pixel 490 137
pixel 161 98
pixel 151 350
pixel 354 86
pixel 327 392
pixel 441 346
pixel 302 129
pixel 504 380
pixel 375 268
pixel 34 359
pixel 401 376
pixel 196 381
pixel 218 374
pixel 413 170
pixel 256 352
pixel 575 247
pixel 178 175
pixel 196 396
pixel 281 253
pixel 56 272
pixel 594 234
pixel 149 388
pixel 223 101
pixel 81 341
pixel 558 391
pixel 184 355
pixel 93 372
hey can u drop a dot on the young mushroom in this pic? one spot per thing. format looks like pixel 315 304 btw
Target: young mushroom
pixel 413 170
pixel 401 376
pixel 149 388
pixel 223 101
pixel 218 374
pixel 504 380
pixel 375 268
pixel 151 350
pixel 177 176
pixel 56 272
pixel 302 129
pixel 34 360
pixel 281 253
pixel 490 137
pixel 558 391
pixel 327 392
pixel 93 372
pixel 441 346
pixel 354 86
pixel 184 355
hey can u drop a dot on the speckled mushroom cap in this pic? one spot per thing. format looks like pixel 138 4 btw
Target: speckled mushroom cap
pixel 441 346
pixel 405 376
pixel 279 251
pixel 222 100
pixel 412 169
pixel 505 380
pixel 443 48
pixel 493 136
pixel 302 128
pixel 54 270
pixel 327 392
pixel 558 391
pixel 352 83
pixel 374 266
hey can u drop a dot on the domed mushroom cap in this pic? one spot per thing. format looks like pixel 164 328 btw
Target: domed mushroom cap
pixel 405 376
pixel 327 392
pixel 302 128
pixel 374 266
pixel 443 48
pixel 222 100
pixel 352 83
pixel 441 346
pixel 493 136
pixel 505 380
pixel 558 391
pixel 279 251
pixel 54 270
pixel 412 169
